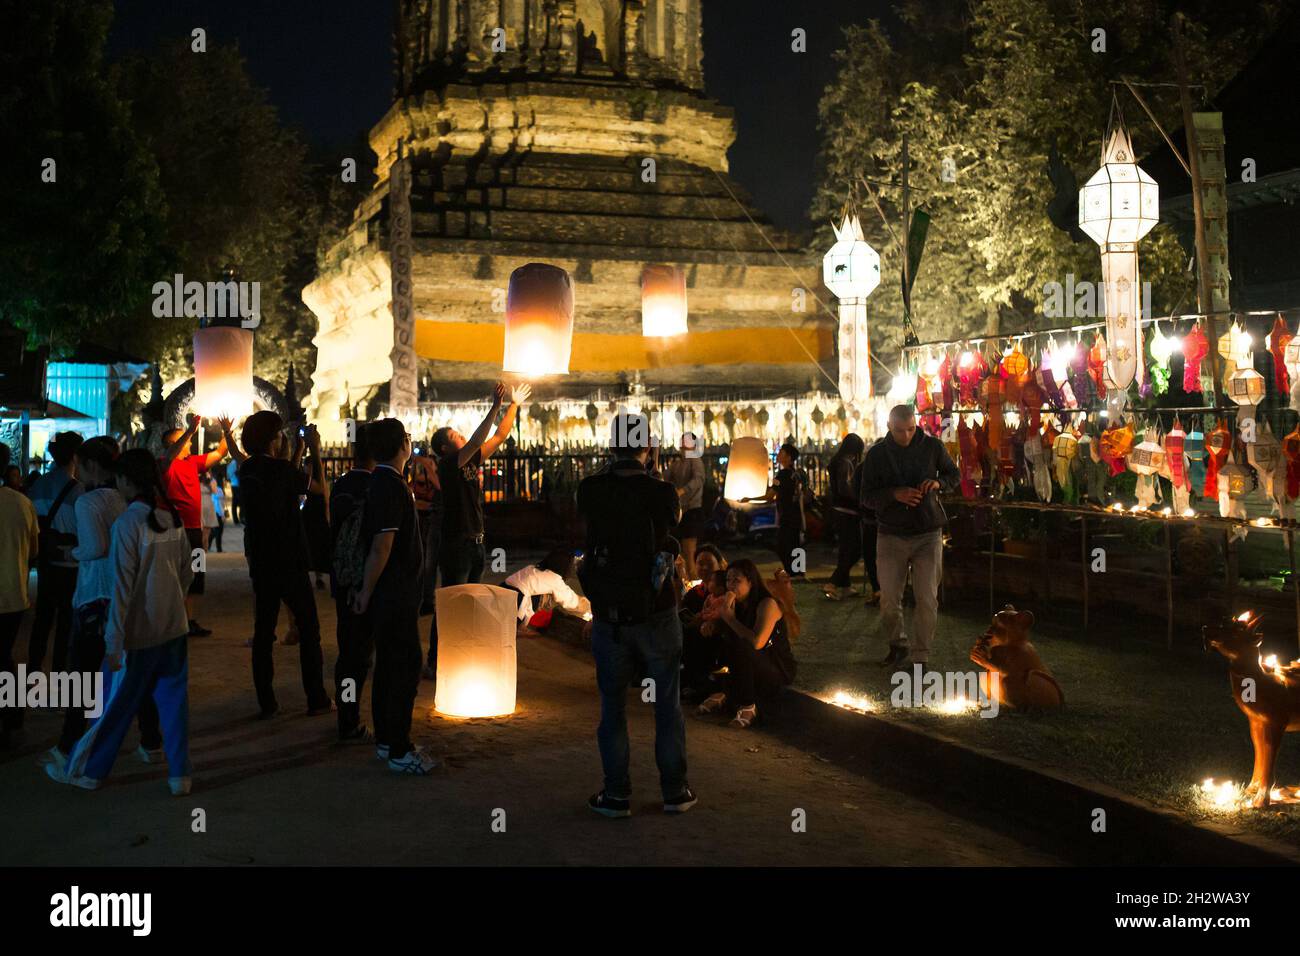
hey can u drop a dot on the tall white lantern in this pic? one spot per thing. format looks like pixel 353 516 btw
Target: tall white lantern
pixel 223 371
pixel 1117 207
pixel 851 269
pixel 663 301
pixel 476 651
pixel 748 467
pixel 539 321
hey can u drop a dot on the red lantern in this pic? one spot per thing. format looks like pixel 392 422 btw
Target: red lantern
pixel 1277 343
pixel 1195 348
pixel 1218 446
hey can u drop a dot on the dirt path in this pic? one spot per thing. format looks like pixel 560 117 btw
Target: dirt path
pixel 284 793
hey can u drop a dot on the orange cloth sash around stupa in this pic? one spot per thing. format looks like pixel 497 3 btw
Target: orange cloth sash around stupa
pixel 601 352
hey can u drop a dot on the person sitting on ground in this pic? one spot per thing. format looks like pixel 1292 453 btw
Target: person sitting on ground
pixel 712 608
pixel 699 650
pixel 536 583
pixel 755 646
pixel 707 560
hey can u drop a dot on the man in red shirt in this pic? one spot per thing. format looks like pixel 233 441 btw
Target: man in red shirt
pixel 181 473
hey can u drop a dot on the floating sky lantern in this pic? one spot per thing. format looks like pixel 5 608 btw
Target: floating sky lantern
pixel 663 301
pixel 851 270
pixel 539 321
pixel 476 651
pixel 748 466
pixel 1118 206
pixel 223 371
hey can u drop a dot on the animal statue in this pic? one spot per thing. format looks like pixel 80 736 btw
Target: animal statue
pixel 1266 692
pixel 1024 681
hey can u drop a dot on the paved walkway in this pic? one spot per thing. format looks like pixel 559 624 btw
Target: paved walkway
pixel 283 792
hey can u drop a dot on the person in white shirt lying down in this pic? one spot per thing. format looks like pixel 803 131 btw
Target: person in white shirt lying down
pixel 547 579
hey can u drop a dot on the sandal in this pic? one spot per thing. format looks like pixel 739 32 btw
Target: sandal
pixel 712 704
pixel 745 716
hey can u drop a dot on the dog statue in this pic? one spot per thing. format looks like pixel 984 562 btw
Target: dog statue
pixel 1267 693
pixel 1024 681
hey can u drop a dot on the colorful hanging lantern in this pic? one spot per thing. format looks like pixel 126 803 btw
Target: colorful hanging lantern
pixel 1291 451
pixel 1015 373
pixel 1238 480
pixel 1279 341
pixel 1162 349
pixel 1148 458
pixel 748 467
pixel 539 321
pixel 223 371
pixel 663 301
pixel 476 651
pixel 1039 459
pixel 1235 347
pixel 1117 207
pixel 1246 386
pixel 851 270
pixel 1097 364
pixel 1195 348
pixel 1116 442
pixel 1218 447
pixel 1265 455
pixel 1176 466
pixel 1194 451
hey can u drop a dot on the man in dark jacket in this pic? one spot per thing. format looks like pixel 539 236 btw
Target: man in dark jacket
pixel 902 477
pixel 628 575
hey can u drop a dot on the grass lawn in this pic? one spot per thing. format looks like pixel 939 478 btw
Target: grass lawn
pixel 1150 722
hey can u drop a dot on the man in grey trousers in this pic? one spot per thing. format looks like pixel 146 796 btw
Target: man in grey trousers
pixel 902 476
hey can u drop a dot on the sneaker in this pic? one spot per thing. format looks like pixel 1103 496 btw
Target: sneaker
pixel 179 786
pixel 414 763
pixel 833 593
pixel 897 654
pixel 712 704
pixel 198 630
pixel 53 757
pixel 608 806
pixel 149 755
pixel 381 751
pixel 60 775
pixel 745 716
pixel 682 802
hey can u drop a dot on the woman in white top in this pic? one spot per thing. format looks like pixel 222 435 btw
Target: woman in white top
pixel 547 579
pixel 146 650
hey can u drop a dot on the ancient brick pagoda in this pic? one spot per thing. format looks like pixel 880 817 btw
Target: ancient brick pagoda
pixel 520 133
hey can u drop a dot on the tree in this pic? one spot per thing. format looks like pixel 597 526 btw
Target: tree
pixel 82 239
pixel 998 87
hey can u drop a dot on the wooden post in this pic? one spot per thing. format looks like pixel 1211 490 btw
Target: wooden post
pixel 1169 589
pixel 1083 562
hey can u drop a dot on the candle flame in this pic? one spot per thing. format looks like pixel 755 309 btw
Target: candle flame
pixel 848 701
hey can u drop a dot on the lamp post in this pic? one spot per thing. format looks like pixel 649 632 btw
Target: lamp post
pixel 851 270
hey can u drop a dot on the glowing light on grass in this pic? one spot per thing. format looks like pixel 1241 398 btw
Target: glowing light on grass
pixel 864 705
pixel 957 706
pixel 1222 797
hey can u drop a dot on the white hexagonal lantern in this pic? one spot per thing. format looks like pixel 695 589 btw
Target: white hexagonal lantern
pixel 851 269
pixel 1120 203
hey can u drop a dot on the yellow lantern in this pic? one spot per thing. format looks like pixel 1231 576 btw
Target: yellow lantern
pixel 223 371
pixel 1246 387
pixel 476 651
pixel 539 321
pixel 663 301
pixel 748 466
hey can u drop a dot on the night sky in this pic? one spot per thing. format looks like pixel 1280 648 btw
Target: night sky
pixel 327 65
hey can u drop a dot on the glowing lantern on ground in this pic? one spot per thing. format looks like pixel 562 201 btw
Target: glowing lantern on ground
pixel 1117 207
pixel 476 651
pixel 663 301
pixel 539 321
pixel 223 371
pixel 748 466
pixel 851 270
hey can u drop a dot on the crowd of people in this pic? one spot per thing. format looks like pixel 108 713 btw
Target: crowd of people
pixel 115 537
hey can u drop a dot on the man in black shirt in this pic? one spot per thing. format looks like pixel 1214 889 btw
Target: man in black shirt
pixel 787 491
pixel 627 573
pixel 275 544
pixel 461 556
pixel 391 587
pixel 356 636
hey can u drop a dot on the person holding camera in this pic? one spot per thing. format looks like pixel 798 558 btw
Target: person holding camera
pixel 628 574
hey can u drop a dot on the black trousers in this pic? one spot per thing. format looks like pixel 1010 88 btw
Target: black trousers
pixel 356 639
pixel 214 534
pixel 11 718
pixel 88 624
pixel 848 533
pixel 869 553
pixel 54 589
pixel 787 539
pixel 751 674
pixel 397 672
pixel 700 655
pixel 271 587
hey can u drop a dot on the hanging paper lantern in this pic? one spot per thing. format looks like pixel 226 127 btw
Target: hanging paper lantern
pixel 1115 444
pixel 1291 451
pixel 748 466
pixel 1174 445
pixel 1238 480
pixel 1195 348
pixel 1235 347
pixel 1117 207
pixel 663 301
pixel 851 270
pixel 1246 387
pixel 476 651
pixel 1162 349
pixel 539 321
pixel 1194 450
pixel 1279 339
pixel 1148 457
pixel 1265 455
pixel 1218 446
pixel 223 371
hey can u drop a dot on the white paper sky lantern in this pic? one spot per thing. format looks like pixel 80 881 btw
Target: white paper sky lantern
pixel 663 301
pixel 851 269
pixel 223 371
pixel 1117 207
pixel 539 321
pixel 476 651
pixel 748 466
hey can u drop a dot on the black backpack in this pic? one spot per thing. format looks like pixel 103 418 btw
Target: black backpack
pixel 618 564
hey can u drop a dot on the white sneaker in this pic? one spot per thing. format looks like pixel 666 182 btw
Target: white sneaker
pixel 415 763
pixel 149 756
pixel 53 757
pixel 179 786
pixel 60 775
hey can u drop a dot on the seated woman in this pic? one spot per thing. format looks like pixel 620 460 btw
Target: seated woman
pixel 699 650
pixel 755 645
pixel 546 580
pixel 708 559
